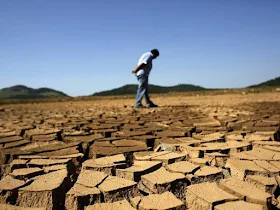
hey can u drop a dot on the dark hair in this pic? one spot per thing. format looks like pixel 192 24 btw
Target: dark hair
pixel 155 52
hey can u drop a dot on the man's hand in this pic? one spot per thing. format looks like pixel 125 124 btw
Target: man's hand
pixel 134 71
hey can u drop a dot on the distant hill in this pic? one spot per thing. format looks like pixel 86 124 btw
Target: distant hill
pixel 131 89
pixel 270 83
pixel 23 92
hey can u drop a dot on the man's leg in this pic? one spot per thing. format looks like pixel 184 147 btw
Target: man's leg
pixel 147 98
pixel 141 90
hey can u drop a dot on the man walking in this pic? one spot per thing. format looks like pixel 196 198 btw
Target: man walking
pixel 142 72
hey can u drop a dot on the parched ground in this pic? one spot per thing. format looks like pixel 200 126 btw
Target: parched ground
pixel 218 152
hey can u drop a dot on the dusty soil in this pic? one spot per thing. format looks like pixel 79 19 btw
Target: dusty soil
pixel 193 152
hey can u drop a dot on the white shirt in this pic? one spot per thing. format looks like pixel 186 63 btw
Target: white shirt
pixel 146 58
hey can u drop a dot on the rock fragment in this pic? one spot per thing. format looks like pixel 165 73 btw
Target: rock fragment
pixel 9 189
pixel 161 181
pixel 138 169
pixel 206 174
pixel 238 205
pixel 115 189
pixel 164 201
pixel 26 173
pixel 247 191
pixel 107 165
pixel 184 167
pixel 118 205
pixel 206 196
pixel 46 191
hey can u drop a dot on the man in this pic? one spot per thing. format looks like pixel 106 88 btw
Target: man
pixel 142 72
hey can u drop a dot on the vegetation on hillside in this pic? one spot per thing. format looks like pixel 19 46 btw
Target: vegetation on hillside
pixel 131 89
pixel 23 92
pixel 270 83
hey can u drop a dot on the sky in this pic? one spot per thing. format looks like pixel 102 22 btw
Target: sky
pixel 82 47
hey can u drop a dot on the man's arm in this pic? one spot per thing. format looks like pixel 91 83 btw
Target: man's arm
pixel 145 60
pixel 138 68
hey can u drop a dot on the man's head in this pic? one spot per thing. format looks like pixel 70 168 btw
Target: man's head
pixel 155 53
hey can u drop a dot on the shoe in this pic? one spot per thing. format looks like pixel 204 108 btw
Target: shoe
pixel 152 105
pixel 139 106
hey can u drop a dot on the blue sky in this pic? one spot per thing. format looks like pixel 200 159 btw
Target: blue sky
pixel 80 47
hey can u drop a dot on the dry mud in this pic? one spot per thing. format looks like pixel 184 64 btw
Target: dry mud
pixel 193 152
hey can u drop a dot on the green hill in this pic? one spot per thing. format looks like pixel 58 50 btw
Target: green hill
pixel 23 92
pixel 270 83
pixel 131 89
